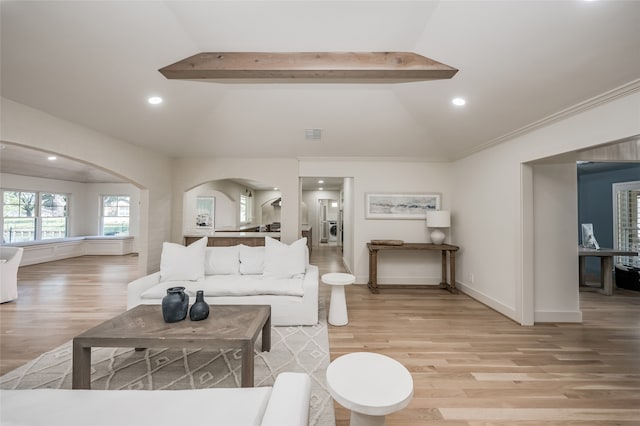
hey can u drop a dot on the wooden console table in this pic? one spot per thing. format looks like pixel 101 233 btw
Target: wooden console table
pixel 444 248
pixel 606 266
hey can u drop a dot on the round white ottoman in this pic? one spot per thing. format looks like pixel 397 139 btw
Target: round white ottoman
pixel 370 385
pixel 338 304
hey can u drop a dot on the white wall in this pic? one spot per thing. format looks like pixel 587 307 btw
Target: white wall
pixel 394 177
pixel 264 212
pixel 489 200
pixel 348 206
pixel 148 170
pixel 555 213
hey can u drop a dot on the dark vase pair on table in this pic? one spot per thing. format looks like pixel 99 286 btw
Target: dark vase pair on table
pixel 176 304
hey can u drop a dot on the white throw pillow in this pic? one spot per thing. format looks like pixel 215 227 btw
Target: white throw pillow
pixel 284 261
pixel 222 260
pixel 251 260
pixel 180 263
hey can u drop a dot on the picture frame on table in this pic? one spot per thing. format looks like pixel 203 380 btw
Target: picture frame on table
pixel 588 237
pixel 400 205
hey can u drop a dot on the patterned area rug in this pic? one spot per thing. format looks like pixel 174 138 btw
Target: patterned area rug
pixel 299 349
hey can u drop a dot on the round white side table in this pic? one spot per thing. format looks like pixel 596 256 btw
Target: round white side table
pixel 370 385
pixel 338 304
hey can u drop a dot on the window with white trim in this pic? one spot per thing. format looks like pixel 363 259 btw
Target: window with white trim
pixel 626 199
pixel 246 208
pixel 33 215
pixel 114 214
pixel 53 215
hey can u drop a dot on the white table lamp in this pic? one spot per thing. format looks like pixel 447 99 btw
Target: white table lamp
pixel 437 219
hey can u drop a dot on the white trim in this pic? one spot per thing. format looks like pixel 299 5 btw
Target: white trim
pixel 558 316
pixel 615 187
pixel 525 293
pixel 488 301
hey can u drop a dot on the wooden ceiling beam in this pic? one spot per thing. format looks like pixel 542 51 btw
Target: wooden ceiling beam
pixel 309 66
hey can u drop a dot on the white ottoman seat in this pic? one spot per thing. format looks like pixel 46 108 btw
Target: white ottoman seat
pixel 338 304
pixel 370 385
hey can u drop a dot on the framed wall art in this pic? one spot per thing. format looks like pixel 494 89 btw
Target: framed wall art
pixel 205 208
pixel 400 206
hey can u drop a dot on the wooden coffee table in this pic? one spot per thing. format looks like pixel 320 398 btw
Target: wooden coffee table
pixel 228 327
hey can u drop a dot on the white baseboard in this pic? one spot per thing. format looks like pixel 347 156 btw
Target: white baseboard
pixel 557 316
pixel 505 310
pixel 538 316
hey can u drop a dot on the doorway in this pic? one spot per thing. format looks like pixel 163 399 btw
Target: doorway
pixel 328 221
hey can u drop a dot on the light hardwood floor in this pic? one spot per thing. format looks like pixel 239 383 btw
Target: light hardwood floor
pixel 470 365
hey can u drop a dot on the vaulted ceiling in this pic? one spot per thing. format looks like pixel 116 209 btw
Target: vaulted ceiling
pixel 95 63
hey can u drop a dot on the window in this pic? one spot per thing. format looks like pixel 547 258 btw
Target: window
pixel 53 214
pixel 18 212
pixel 246 208
pixel 626 198
pixel 115 215
pixel 29 216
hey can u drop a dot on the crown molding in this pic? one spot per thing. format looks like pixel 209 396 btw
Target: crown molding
pixel 604 98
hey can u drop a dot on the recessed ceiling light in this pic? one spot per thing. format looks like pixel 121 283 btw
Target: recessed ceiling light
pixel 458 101
pixel 320 189
pixel 52 158
pixel 275 189
pixel 155 100
pixel 320 181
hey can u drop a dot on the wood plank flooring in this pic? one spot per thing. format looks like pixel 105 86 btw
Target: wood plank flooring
pixel 470 365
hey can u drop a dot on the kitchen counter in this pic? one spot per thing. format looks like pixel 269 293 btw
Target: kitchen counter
pixel 232 238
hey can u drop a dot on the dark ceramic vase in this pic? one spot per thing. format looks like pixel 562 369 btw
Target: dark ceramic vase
pixel 200 309
pixel 175 305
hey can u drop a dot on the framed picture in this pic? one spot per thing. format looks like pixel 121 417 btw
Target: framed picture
pixel 400 206
pixel 588 238
pixel 205 208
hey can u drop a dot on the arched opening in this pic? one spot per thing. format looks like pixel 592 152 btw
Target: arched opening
pixel 85 213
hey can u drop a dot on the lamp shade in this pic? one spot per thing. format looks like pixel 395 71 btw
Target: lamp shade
pixel 438 218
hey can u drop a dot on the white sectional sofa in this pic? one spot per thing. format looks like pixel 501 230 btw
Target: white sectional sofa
pixel 276 274
pixel 286 403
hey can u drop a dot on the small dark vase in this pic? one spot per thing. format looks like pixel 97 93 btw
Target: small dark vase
pixel 200 309
pixel 175 304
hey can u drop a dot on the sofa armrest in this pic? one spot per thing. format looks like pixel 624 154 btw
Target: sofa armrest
pixel 310 287
pixel 311 277
pixel 289 402
pixel 139 286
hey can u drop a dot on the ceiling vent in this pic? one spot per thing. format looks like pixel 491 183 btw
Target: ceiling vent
pixel 313 134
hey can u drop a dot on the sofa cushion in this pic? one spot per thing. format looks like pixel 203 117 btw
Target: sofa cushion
pixel 248 285
pixel 251 260
pixel 222 260
pixel 282 260
pixel 232 285
pixel 180 263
